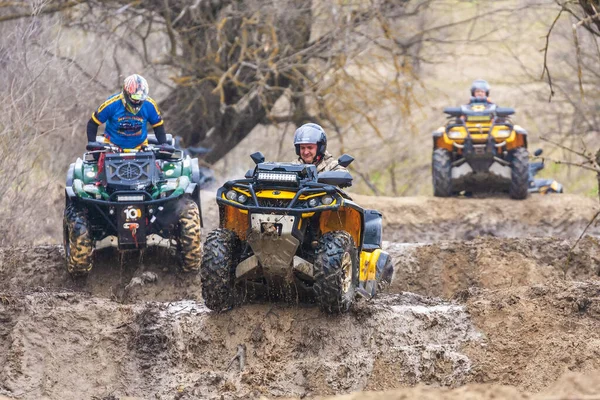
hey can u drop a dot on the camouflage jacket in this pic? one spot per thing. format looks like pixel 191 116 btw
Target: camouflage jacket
pixel 327 163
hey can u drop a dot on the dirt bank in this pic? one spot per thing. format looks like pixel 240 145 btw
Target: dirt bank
pixel 429 219
pixel 494 317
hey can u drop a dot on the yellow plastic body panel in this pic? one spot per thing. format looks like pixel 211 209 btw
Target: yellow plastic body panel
pixel 285 195
pixel 236 220
pixel 343 219
pixel 368 265
pixel 270 194
pixel 479 132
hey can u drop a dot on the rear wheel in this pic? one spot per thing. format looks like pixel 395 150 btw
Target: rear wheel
pixel 77 241
pixel 218 269
pixel 442 173
pixel 189 241
pixel 519 184
pixel 336 272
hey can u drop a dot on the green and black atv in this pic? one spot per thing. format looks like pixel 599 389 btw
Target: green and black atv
pixel 294 234
pixel 131 200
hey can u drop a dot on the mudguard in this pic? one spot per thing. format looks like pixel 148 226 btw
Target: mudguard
pixel 384 274
pixel 373 230
pixel 70 175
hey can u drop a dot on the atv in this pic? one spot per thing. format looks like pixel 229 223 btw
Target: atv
pixel 292 232
pixel 131 200
pixel 480 149
pixel 542 186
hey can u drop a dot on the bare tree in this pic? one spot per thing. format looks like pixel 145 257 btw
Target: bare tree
pixel 231 61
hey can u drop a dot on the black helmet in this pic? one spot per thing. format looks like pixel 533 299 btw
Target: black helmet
pixel 311 134
pixel 480 84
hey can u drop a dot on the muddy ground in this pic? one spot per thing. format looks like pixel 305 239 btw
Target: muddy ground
pixel 499 303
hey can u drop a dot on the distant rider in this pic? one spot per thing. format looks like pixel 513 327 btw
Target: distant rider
pixel 311 148
pixel 480 91
pixel 126 115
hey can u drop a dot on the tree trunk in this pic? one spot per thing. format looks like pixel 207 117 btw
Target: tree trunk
pixel 232 58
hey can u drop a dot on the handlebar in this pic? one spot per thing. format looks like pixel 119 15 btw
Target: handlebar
pixel 99 147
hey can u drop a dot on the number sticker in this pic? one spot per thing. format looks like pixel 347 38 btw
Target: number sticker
pixel 132 214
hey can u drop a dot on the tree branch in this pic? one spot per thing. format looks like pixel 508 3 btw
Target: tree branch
pixel 47 10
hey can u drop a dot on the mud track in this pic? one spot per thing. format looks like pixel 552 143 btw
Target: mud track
pixel 492 317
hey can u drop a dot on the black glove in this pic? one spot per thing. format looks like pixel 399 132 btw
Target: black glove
pixel 95 146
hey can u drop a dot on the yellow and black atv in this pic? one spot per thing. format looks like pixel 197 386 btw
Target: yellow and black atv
pixel 291 233
pixel 480 149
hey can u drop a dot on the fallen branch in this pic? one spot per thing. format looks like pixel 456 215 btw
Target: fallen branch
pixel 240 356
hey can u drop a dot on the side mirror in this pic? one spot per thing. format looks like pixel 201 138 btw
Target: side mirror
pixel 257 157
pixel 538 152
pixel 249 174
pixel 345 160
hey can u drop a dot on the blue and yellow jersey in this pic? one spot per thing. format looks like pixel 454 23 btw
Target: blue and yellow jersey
pixel 123 128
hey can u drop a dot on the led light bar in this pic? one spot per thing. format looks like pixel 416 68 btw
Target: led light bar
pixel 131 198
pixel 276 177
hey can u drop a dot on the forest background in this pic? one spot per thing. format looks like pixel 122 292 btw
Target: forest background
pixel 240 76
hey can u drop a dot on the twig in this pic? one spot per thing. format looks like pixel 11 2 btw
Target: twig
pixel 240 356
pixel 546 70
pixel 368 182
pixel 48 10
pixel 570 256
pixel 586 156
pixel 578 48
pixel 581 165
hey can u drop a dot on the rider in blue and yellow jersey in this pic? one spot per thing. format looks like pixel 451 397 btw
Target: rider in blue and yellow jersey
pixel 126 115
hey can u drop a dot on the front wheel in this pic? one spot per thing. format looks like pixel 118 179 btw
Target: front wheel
pixel 519 183
pixel 336 272
pixel 77 241
pixel 189 242
pixel 218 269
pixel 441 173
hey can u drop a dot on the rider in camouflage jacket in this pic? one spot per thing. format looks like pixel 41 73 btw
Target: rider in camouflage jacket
pixel 311 147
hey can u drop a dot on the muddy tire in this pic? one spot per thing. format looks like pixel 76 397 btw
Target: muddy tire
pixel 336 272
pixel 441 173
pixel 519 184
pixel 217 271
pixel 77 241
pixel 189 243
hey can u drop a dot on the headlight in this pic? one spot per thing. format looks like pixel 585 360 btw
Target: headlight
pixel 455 135
pixel 277 176
pixel 132 197
pixel 242 198
pixel 313 202
pixel 326 200
pixel 231 195
pixel 503 133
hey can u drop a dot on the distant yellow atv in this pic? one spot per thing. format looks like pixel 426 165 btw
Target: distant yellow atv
pixel 480 149
pixel 292 233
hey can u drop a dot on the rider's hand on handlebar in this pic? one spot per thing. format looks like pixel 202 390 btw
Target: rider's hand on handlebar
pixel 166 148
pixel 95 146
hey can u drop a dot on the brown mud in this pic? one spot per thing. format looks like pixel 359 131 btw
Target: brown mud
pixel 494 317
